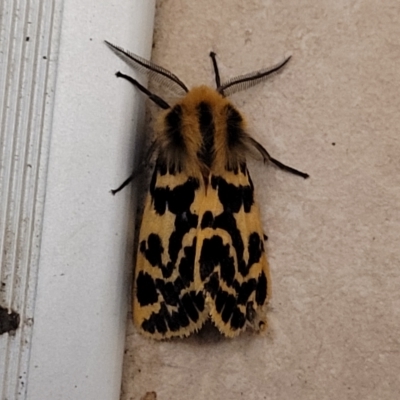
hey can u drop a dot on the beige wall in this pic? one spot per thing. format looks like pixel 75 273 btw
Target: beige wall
pixel 333 239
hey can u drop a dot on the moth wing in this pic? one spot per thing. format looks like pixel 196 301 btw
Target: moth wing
pixel 231 265
pixel 165 301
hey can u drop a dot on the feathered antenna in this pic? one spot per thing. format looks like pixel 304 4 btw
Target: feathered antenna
pixel 153 71
pixel 246 81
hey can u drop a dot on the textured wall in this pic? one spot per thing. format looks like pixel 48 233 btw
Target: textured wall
pixel 333 239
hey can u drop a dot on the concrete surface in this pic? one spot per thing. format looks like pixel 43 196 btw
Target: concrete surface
pixel 333 239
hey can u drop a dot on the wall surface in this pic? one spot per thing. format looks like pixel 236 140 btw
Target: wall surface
pixel 333 245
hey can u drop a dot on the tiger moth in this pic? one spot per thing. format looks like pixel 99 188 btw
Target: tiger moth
pixel 201 252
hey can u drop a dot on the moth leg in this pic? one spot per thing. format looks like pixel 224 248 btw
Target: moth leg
pixel 153 97
pixel 282 166
pixel 138 171
pixel 123 184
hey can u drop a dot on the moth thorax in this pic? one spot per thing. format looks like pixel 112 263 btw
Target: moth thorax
pixel 204 128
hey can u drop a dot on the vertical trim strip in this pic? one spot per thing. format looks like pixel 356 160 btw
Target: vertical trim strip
pixel 29 48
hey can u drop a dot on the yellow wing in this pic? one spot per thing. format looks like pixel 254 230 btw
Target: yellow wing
pixel 165 300
pixel 231 266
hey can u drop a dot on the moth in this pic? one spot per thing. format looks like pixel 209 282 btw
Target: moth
pixel 201 252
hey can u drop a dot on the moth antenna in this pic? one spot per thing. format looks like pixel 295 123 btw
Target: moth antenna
pixel 266 156
pixel 246 81
pixel 216 71
pixel 159 74
pixel 153 97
